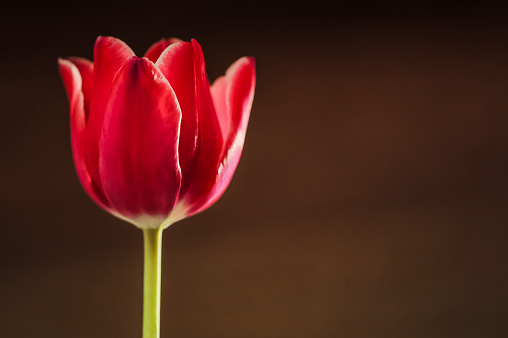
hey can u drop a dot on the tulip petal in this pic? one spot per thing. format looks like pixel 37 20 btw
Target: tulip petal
pixel 77 75
pixel 234 93
pixel 139 145
pixel 177 65
pixel 202 173
pixel 109 55
pixel 154 51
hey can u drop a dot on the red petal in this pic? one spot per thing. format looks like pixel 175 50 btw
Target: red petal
pixel 139 144
pixel 157 48
pixel 201 174
pixel 235 93
pixel 177 65
pixel 109 56
pixel 75 76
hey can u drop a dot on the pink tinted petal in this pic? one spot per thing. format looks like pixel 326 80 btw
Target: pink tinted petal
pixel 202 174
pixel 74 83
pixel 72 80
pixel 177 65
pixel 139 143
pixel 109 56
pixel 157 48
pixel 240 82
pixel 85 68
pixel 218 90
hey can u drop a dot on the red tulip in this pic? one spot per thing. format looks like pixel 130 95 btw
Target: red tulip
pixel 152 141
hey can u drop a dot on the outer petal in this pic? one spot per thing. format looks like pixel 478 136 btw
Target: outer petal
pixel 139 145
pixel 76 78
pixel 109 56
pixel 235 93
pixel 202 174
pixel 177 65
pixel 157 48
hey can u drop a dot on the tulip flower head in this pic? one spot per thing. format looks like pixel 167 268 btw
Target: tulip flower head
pixel 152 141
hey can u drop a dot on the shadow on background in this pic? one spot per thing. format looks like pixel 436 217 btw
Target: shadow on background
pixel 370 201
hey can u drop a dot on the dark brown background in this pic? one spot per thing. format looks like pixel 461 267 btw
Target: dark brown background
pixel 371 199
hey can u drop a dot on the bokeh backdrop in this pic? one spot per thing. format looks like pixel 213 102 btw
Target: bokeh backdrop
pixel 371 199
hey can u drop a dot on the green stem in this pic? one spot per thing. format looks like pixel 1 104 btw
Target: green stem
pixel 152 282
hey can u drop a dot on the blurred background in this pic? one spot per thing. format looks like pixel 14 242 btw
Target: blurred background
pixel 370 201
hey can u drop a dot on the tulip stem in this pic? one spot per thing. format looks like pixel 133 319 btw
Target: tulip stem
pixel 152 282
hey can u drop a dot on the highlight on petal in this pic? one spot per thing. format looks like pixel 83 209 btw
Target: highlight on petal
pixel 234 93
pixel 138 161
pixel 85 68
pixel 154 51
pixel 177 65
pixel 74 80
pixel 71 78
